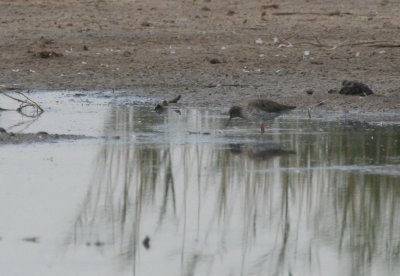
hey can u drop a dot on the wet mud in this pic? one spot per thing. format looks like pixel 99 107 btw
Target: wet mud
pixel 42 136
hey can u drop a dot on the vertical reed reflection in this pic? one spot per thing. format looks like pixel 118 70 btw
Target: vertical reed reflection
pixel 233 203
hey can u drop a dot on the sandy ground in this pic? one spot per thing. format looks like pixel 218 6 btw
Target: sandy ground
pixel 212 52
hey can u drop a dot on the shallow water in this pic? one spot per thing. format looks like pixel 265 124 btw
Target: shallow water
pixel 309 197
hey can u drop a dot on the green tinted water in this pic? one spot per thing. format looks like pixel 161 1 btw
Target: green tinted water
pixel 306 198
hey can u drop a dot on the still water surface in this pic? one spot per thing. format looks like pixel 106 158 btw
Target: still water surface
pixel 181 194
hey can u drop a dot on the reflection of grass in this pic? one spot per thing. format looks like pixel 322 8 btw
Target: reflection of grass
pixel 365 217
pixel 218 201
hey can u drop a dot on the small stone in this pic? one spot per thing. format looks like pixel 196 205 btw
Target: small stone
pixel 309 91
pixel 215 61
pixel 145 24
pixel 85 48
pixel 316 62
pixel 230 13
pixel 2 130
pixel 205 8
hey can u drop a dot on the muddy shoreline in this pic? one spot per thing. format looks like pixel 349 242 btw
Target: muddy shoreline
pixel 213 53
pixel 42 136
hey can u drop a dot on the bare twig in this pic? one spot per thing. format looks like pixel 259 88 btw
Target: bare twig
pixel 286 39
pixel 30 100
pixel 367 42
pixel 384 45
pixel 25 103
pixel 372 43
pixel 175 100
pixel 334 13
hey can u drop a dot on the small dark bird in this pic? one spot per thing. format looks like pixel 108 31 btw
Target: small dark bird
pixel 258 110
pixel 160 108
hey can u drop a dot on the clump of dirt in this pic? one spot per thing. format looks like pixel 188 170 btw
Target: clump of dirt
pixel 355 88
pixel 45 48
pixel 47 54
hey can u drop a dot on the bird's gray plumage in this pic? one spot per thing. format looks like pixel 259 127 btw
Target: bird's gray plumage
pixel 258 110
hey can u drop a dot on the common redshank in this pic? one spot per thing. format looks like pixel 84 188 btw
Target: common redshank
pixel 258 110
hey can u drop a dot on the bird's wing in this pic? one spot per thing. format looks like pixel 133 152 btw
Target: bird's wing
pixel 268 106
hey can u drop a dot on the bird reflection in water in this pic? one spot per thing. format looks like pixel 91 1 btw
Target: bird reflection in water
pixel 260 151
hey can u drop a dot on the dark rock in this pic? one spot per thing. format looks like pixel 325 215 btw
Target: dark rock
pixel 230 13
pixel 2 130
pixel 355 88
pixel 316 62
pixel 332 91
pixel 145 24
pixel 205 8
pixel 309 91
pixel 215 61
